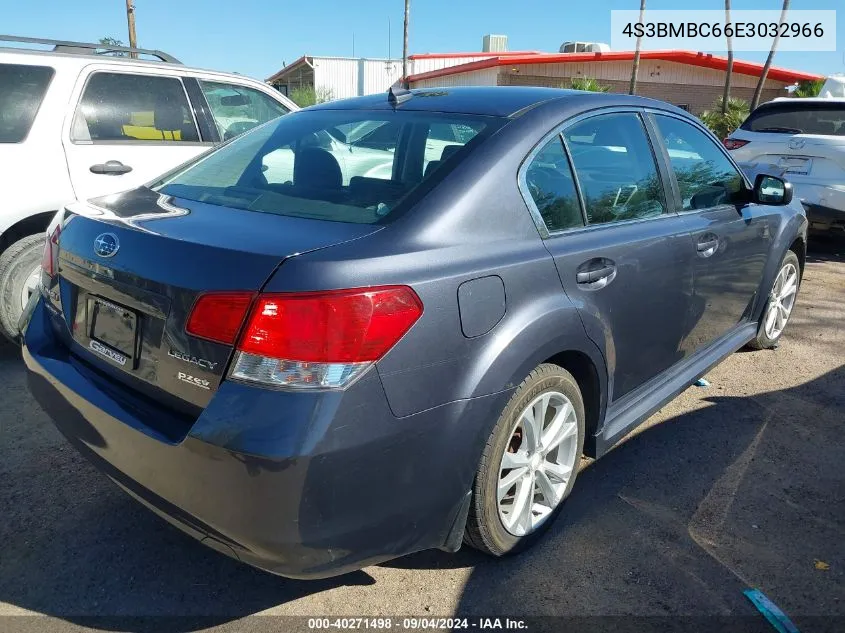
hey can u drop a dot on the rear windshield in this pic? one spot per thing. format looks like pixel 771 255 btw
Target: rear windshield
pixel 339 165
pixel 798 118
pixel 22 88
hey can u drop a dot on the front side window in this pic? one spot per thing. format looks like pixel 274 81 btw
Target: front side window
pixel 783 117
pixel 22 89
pixel 119 107
pixel 616 168
pixel 237 109
pixel 551 186
pixel 705 176
pixel 339 165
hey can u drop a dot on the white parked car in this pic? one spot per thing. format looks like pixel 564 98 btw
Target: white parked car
pixel 78 122
pixel 805 138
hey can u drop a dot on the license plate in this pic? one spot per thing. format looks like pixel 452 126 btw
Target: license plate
pixel 115 327
pixel 792 165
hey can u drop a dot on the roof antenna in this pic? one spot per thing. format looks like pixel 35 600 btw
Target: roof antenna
pixel 397 96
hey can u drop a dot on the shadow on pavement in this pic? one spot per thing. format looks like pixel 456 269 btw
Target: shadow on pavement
pixel 745 492
pixel 825 247
pixel 75 546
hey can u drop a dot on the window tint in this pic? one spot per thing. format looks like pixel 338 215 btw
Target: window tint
pixel 798 118
pixel 299 166
pixel 705 176
pixel 552 188
pixel 237 109
pixel 615 167
pixel 21 90
pixel 118 107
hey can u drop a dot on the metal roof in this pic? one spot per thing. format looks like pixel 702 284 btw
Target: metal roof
pixel 704 60
pixel 502 101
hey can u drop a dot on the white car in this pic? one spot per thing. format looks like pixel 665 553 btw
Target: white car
pixel 78 122
pixel 805 139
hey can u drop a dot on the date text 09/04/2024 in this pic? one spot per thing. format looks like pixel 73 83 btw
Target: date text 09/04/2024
pixel 415 623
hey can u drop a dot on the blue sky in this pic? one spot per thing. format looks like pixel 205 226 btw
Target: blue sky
pixel 254 37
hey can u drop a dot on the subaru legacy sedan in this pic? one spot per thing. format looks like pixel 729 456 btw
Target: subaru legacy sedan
pixel 315 356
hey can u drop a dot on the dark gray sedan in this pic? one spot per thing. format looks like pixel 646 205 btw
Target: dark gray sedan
pixel 397 322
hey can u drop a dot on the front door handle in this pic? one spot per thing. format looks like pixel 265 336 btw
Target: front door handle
pixel 595 273
pixel 707 245
pixel 111 168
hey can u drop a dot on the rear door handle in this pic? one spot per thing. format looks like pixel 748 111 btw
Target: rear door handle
pixel 111 168
pixel 595 273
pixel 707 245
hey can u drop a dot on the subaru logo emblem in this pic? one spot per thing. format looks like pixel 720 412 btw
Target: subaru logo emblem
pixel 106 244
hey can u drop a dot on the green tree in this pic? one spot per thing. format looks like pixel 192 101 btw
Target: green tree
pixel 112 41
pixel 808 88
pixel 723 121
pixel 305 96
pixel 588 84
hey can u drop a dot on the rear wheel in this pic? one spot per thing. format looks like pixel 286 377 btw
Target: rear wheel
pixel 780 303
pixel 529 464
pixel 20 273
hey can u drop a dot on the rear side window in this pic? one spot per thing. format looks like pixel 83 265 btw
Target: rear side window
pixel 615 167
pixel 552 188
pixel 117 107
pixel 338 165
pixel 22 88
pixel 798 118
pixel 238 109
pixel 705 176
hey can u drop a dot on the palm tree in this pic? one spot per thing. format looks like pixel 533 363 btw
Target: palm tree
pixel 405 42
pixel 726 95
pixel 759 90
pixel 636 66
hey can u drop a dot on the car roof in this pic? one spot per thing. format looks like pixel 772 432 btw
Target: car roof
pixel 77 60
pixel 502 101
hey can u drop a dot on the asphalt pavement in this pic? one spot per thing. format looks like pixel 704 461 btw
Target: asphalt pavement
pixel 739 484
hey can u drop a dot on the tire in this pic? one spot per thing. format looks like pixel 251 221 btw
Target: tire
pixel 486 528
pixel 768 338
pixel 17 263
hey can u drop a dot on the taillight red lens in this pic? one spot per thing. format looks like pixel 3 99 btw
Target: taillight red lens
pixel 218 316
pixel 734 143
pixel 338 326
pixel 51 251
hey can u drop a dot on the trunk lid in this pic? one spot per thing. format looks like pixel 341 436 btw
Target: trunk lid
pixel 131 266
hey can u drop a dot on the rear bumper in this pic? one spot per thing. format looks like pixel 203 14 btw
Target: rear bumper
pixel 302 485
pixel 822 218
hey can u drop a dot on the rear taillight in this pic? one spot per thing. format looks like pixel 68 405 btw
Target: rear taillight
pixel 49 259
pixel 734 143
pixel 219 316
pixel 322 339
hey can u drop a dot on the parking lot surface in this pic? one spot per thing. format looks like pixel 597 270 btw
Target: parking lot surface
pixel 739 484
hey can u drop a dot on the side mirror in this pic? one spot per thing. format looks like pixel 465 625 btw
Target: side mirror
pixel 772 190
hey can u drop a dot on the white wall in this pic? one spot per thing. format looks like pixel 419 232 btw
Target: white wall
pixel 349 77
pixel 483 77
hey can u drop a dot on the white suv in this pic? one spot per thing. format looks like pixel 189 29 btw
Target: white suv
pixel 805 138
pixel 79 122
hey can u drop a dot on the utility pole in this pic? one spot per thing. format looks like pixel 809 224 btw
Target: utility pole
pixel 405 44
pixel 130 20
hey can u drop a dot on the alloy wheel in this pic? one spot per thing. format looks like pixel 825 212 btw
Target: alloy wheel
pixel 538 462
pixel 781 300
